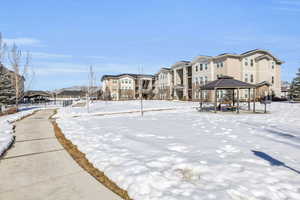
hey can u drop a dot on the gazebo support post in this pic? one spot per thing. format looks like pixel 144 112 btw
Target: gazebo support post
pixel 249 99
pixel 254 98
pixel 215 100
pixel 233 100
pixel 238 101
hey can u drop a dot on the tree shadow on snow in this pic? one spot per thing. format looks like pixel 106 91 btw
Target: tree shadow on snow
pixel 273 161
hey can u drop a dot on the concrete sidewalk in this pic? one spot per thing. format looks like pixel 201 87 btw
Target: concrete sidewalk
pixel 38 167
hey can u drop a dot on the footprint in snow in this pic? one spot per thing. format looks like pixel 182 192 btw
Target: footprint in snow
pixel 178 148
pixel 227 150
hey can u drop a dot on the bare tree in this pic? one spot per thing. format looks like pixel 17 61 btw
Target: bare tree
pixel 20 71
pixel 2 49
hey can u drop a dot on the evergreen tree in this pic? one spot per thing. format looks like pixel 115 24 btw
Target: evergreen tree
pixel 295 87
pixel 6 87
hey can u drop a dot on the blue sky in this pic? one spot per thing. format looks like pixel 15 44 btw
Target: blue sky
pixel 65 37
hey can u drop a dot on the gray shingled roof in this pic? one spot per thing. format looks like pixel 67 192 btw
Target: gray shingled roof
pixel 32 93
pixel 264 83
pixel 128 74
pixel 226 82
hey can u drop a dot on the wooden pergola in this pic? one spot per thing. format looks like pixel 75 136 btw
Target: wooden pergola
pixel 231 84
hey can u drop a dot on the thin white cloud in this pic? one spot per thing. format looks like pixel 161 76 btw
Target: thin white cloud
pixel 22 41
pixel 264 40
pixel 51 68
pixel 290 2
pixel 288 9
pixel 43 55
pixel 96 57
pixel 288 6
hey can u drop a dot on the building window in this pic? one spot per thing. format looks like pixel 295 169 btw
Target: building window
pixel 246 78
pixel 272 79
pixel 201 67
pixel 246 63
pixel 196 68
pixel 251 78
pixel 272 65
pixel 201 80
pixel 221 64
pixel 217 65
pixel 206 66
pixel 206 79
pixel 251 62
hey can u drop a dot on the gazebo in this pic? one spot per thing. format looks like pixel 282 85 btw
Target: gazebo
pixel 36 96
pixel 228 83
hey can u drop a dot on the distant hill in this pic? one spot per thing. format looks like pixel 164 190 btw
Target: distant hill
pixel 76 88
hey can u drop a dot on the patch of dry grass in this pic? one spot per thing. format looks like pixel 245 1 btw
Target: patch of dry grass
pixel 9 111
pixel 80 158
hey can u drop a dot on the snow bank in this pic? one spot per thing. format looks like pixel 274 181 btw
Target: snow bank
pixel 188 155
pixel 6 128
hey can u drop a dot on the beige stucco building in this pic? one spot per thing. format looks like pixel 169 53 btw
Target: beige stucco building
pixel 127 86
pixel 183 79
pixel 163 89
pixel 255 66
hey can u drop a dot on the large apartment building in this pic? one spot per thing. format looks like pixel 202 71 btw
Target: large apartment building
pixel 128 86
pixel 184 78
pixel 255 66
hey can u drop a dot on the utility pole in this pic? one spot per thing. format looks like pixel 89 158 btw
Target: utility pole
pixel 90 87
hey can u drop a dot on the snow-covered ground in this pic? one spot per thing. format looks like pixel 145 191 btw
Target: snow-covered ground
pixel 103 107
pixel 187 155
pixel 6 127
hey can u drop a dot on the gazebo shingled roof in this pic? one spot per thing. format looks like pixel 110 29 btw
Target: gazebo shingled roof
pixel 226 82
pixel 32 93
